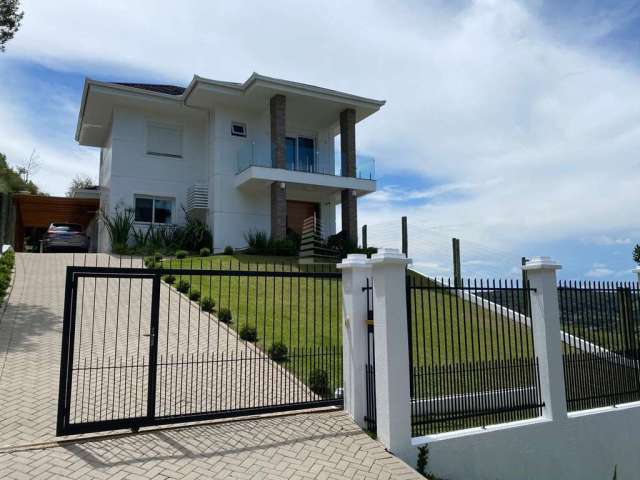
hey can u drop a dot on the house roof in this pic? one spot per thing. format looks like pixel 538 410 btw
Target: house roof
pixel 99 98
pixel 154 87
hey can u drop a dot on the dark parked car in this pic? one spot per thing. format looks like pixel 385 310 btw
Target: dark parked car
pixel 66 236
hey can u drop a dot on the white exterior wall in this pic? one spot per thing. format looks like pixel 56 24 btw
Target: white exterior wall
pixel 104 180
pixel 585 446
pixel 234 212
pixel 209 156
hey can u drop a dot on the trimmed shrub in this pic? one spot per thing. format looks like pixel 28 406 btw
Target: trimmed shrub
pixel 228 250
pixel 205 252
pixel 150 262
pixel 224 315
pixel 319 382
pixel 183 286
pixel 194 295
pixel 207 304
pixel 259 244
pixel 180 254
pixel 157 257
pixel 170 279
pixel 249 334
pixel 278 352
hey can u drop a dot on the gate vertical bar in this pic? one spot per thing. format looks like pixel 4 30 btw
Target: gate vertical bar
pixel 65 362
pixel 153 347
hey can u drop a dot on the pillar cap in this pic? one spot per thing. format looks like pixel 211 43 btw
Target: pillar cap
pixel 389 256
pixel 636 270
pixel 354 260
pixel 541 263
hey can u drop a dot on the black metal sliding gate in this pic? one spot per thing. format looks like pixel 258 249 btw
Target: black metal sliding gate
pixel 145 347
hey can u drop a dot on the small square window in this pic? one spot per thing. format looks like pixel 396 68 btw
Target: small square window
pixel 238 129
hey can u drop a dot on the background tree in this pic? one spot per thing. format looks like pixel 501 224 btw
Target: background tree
pixel 12 181
pixel 10 18
pixel 636 254
pixel 29 167
pixel 79 182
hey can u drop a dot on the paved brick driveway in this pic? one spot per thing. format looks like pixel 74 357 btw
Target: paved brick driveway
pixel 306 445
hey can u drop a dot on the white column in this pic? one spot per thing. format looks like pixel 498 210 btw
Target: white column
pixel 355 271
pixel 392 350
pixel 637 272
pixel 545 319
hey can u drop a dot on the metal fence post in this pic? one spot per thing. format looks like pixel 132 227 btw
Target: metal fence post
pixel 392 351
pixel 355 272
pixel 545 321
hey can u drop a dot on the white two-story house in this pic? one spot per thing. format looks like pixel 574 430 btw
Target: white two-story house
pixel 252 156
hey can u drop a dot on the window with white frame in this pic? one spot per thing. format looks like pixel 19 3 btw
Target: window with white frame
pixel 150 209
pixel 163 139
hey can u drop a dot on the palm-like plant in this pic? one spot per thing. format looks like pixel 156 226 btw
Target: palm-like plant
pixel 119 226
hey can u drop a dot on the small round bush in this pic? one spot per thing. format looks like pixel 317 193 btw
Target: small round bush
pixel 205 252
pixel 194 295
pixel 228 250
pixel 278 352
pixel 180 254
pixel 157 256
pixel 207 304
pixel 249 334
pixel 169 279
pixel 319 382
pixel 149 262
pixel 224 315
pixel 183 286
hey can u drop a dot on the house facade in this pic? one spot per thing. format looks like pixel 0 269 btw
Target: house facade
pixel 252 156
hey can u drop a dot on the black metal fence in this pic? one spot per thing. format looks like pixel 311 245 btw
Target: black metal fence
pixel 472 360
pixel 184 341
pixel 370 367
pixel 601 355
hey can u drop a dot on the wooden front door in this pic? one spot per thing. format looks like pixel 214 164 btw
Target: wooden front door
pixel 298 211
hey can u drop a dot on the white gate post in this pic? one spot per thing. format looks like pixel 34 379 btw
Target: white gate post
pixel 637 272
pixel 545 320
pixel 355 271
pixel 393 419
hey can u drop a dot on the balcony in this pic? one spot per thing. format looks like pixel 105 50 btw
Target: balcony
pixel 253 170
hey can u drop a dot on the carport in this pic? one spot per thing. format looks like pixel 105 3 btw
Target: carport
pixel 34 213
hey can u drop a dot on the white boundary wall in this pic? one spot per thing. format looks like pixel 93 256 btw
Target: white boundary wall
pixel 586 445
pixel 576 446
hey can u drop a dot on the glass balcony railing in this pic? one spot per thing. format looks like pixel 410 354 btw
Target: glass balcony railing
pixel 365 165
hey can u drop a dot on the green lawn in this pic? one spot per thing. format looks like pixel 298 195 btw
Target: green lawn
pixel 6 266
pixel 303 313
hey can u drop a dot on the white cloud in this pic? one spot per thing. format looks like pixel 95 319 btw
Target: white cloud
pixel 599 270
pixel 608 241
pixel 524 137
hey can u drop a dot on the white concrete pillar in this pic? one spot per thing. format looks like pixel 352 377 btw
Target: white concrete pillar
pixel 545 319
pixel 355 271
pixel 637 272
pixel 392 350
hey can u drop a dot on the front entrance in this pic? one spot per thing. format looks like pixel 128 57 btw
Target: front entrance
pixel 298 212
pixel 138 352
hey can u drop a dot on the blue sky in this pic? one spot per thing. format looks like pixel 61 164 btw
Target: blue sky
pixel 514 126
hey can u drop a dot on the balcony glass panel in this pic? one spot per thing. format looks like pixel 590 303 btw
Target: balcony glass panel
pixel 301 155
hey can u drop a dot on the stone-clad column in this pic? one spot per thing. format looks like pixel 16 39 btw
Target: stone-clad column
pixel 277 107
pixel 348 158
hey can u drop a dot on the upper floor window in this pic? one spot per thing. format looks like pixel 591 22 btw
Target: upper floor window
pixel 153 209
pixel 164 140
pixel 300 153
pixel 238 129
